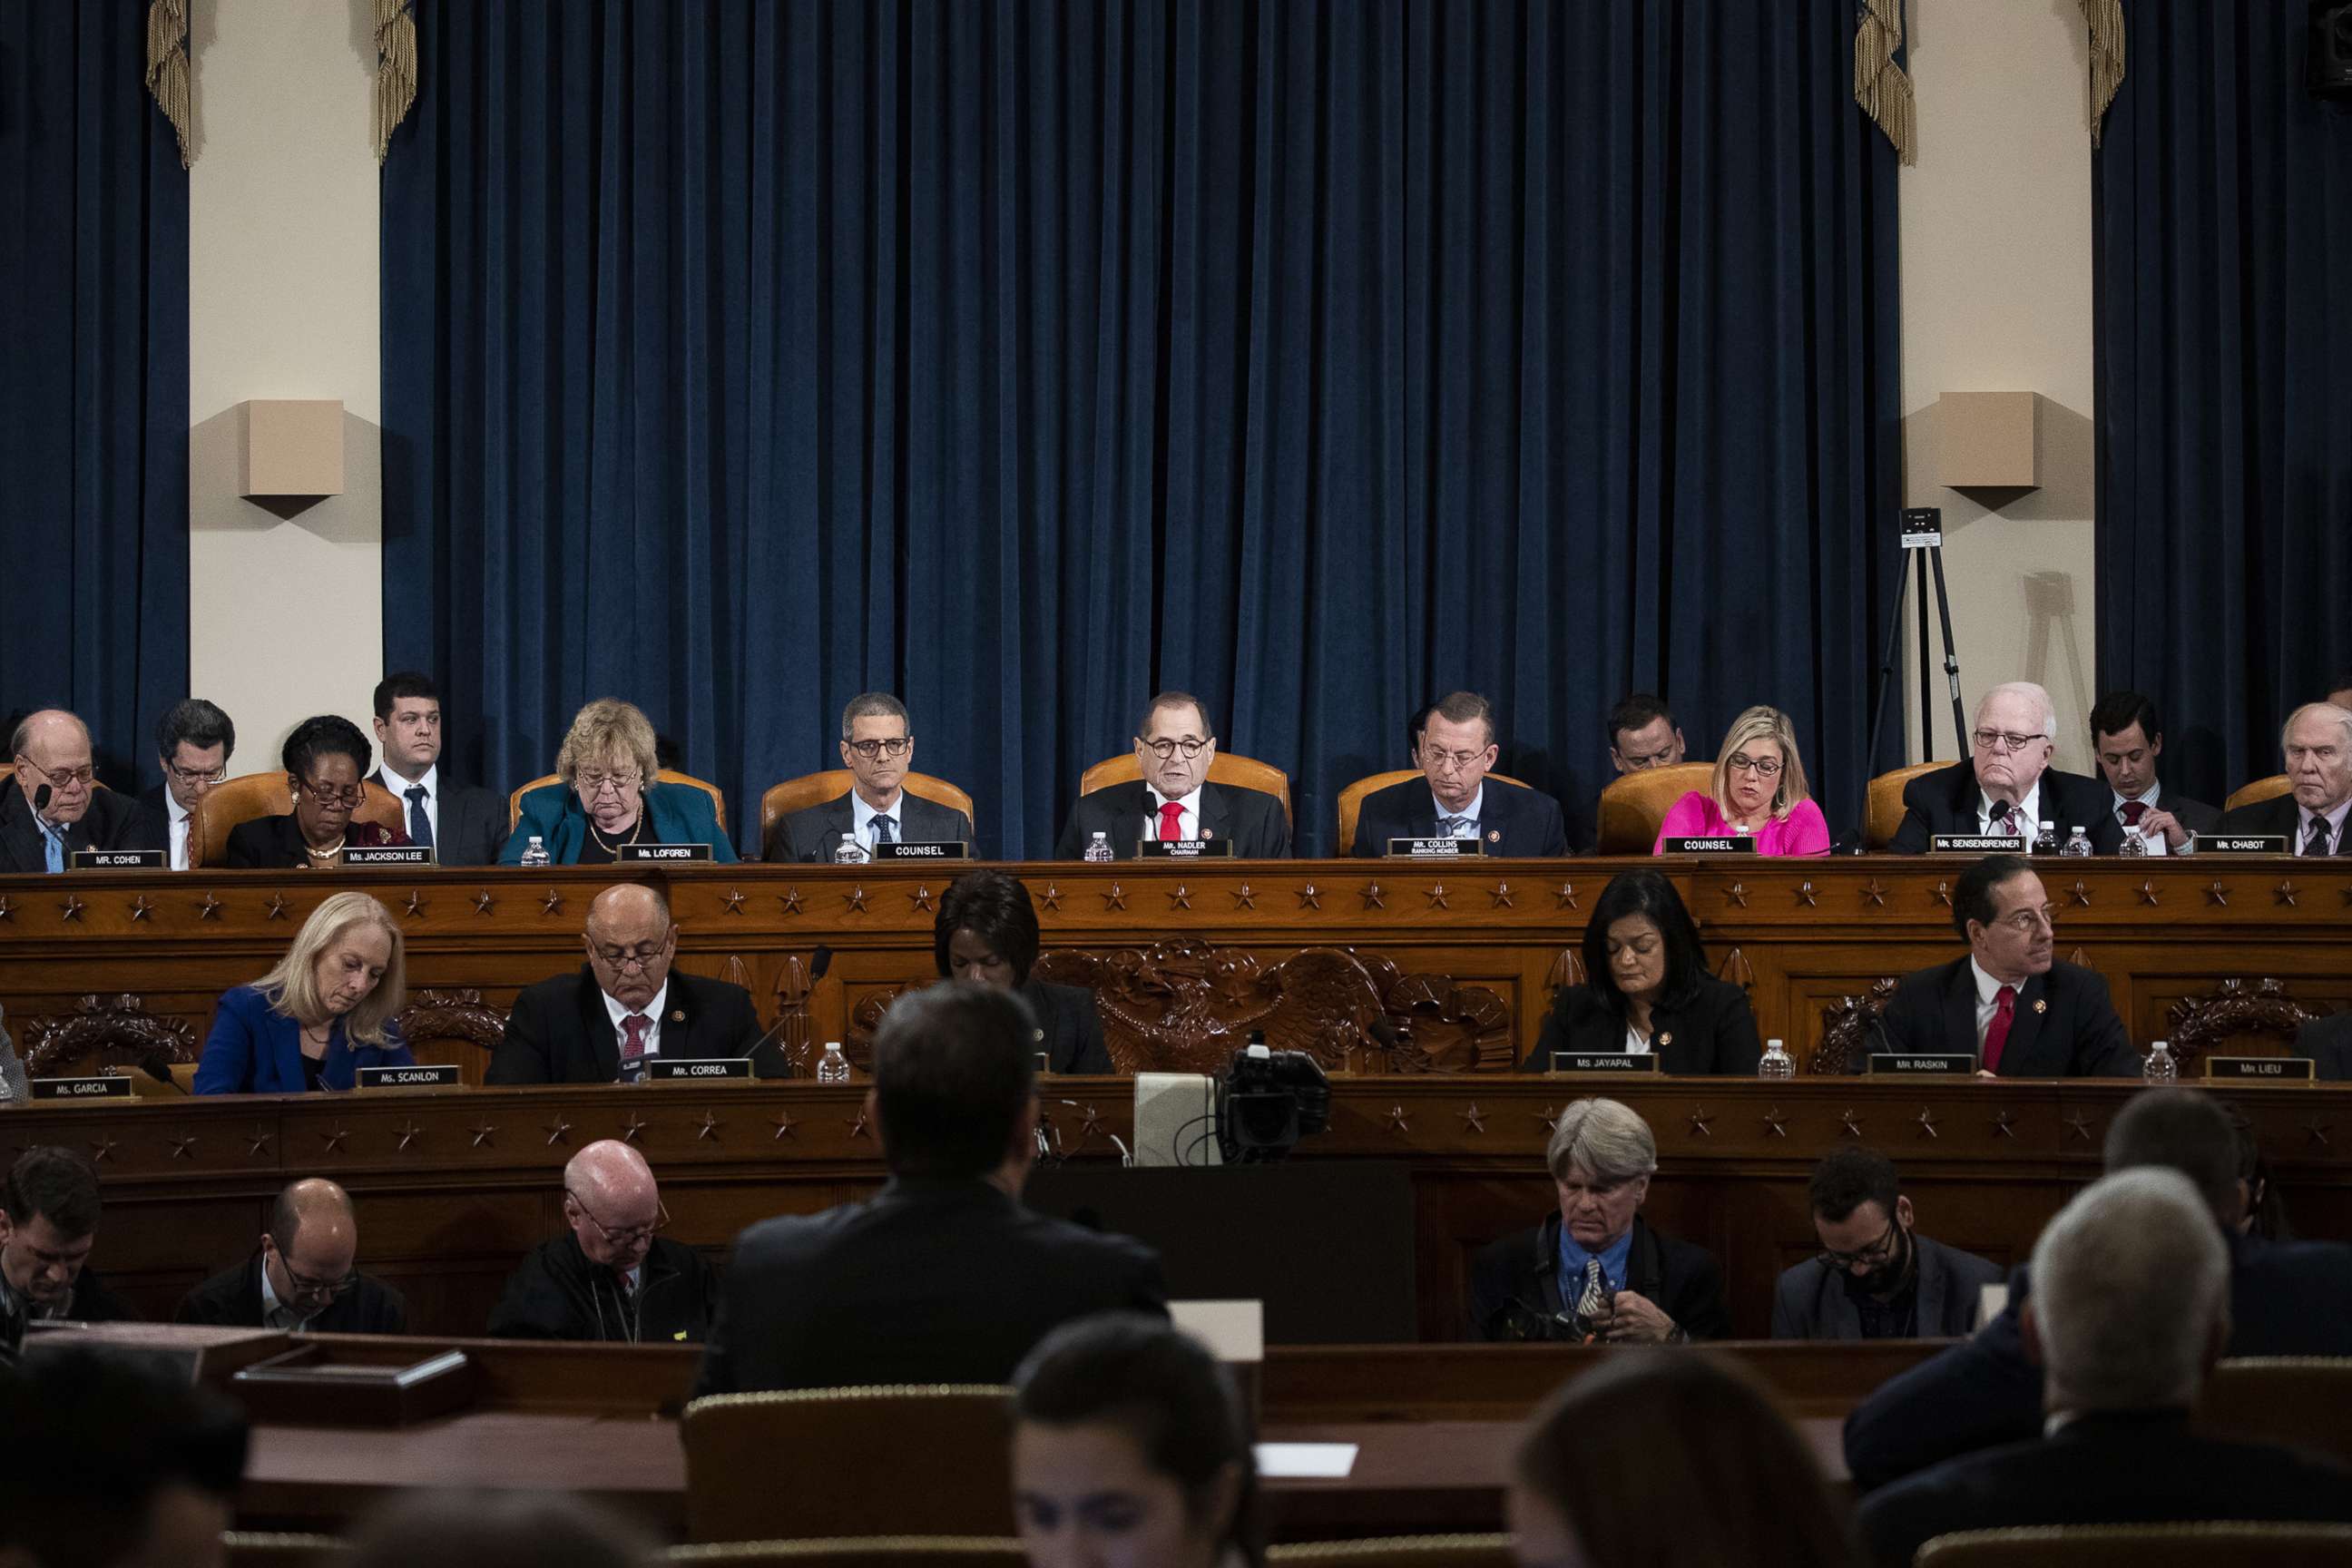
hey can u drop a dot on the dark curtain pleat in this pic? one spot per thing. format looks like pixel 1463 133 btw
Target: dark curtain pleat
pixel 1026 357
pixel 93 381
pixel 2223 223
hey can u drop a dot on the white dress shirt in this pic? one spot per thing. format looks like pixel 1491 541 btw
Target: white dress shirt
pixel 275 1313
pixel 861 816
pixel 2024 812
pixel 1988 999
pixel 431 784
pixel 1190 802
pixel 2305 816
pixel 1469 813
pixel 178 815
pixel 653 1010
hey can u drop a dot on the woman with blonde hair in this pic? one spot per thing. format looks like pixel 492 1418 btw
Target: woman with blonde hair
pixel 1759 790
pixel 321 1015
pixel 609 793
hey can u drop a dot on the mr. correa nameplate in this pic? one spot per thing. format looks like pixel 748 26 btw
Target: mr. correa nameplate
pixel 96 1087
pixel 662 852
pixel 1603 1061
pixel 2241 843
pixel 422 1075
pixel 1923 1064
pixel 697 1070
pixel 387 854
pixel 120 861
pixel 1977 844
pixel 1448 849
pixel 1183 848
pixel 1713 843
pixel 923 849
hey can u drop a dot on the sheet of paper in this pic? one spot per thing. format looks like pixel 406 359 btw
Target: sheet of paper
pixel 1306 1461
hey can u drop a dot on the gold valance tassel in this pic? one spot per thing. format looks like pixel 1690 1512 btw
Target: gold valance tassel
pixel 167 67
pixel 1880 86
pixel 2106 22
pixel 395 69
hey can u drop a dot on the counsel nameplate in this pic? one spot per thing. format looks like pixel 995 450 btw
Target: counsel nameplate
pixel 120 861
pixel 2241 843
pixel 1603 1061
pixel 698 1070
pixel 1447 848
pixel 108 1086
pixel 421 1075
pixel 2262 1069
pixel 662 852
pixel 387 854
pixel 1977 844
pixel 1923 1064
pixel 1713 843
pixel 1183 848
pixel 923 849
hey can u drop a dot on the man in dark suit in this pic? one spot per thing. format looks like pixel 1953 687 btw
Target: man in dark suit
pixel 194 742
pixel 2007 786
pixel 877 747
pixel 48 1226
pixel 462 824
pixel 1876 1278
pixel 2285 1299
pixel 1173 800
pixel 303 1278
pixel 612 1276
pixel 2132 1309
pixel 2127 738
pixel 944 1277
pixel 57 807
pixel 2311 816
pixel 626 1007
pixel 1454 798
pixel 2010 1001
pixel 2328 1043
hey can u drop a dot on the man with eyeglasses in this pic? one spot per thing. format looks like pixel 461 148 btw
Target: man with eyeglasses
pixel 303 1277
pixel 463 823
pixel 58 806
pixel 1173 800
pixel 877 747
pixel 626 1007
pixel 612 1276
pixel 1454 798
pixel 2006 788
pixel 2010 1001
pixel 1876 1278
pixel 194 742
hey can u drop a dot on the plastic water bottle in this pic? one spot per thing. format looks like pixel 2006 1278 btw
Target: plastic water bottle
pixel 2133 846
pixel 2078 844
pixel 2046 841
pixel 1775 1062
pixel 1099 847
pixel 2158 1067
pixel 833 1066
pixel 849 852
pixel 535 852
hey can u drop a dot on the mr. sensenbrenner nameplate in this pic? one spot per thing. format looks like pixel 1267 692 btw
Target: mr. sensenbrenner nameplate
pixel 1717 844
pixel 697 1070
pixel 1923 1064
pixel 663 852
pixel 120 861
pixel 1602 1061
pixel 92 1088
pixel 424 1075
pixel 1435 849
pixel 2262 1069
pixel 388 855
pixel 1182 848
pixel 2242 844
pixel 923 849
pixel 1976 844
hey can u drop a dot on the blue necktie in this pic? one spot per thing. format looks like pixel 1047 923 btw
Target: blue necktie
pixel 420 825
pixel 53 847
pixel 883 831
pixel 1452 827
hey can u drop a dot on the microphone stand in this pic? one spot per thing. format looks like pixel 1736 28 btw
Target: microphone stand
pixel 1923 544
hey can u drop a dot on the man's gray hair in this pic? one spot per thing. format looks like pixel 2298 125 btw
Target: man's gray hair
pixel 1608 1141
pixel 2323 709
pixel 873 705
pixel 2026 688
pixel 2129 1283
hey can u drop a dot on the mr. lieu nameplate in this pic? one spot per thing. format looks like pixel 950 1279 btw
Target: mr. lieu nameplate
pixel 1712 843
pixel 1444 849
pixel 122 860
pixel 2260 1070
pixel 2241 843
pixel 662 852
pixel 1183 848
pixel 387 854
pixel 923 849
pixel 1603 1061
pixel 1977 844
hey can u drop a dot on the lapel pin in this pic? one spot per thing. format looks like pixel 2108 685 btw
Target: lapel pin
pixel 1494 835
pixel 2041 1004
pixel 1207 834
pixel 1666 1038
pixel 677 1014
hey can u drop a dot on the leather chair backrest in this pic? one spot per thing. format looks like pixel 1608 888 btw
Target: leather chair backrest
pixel 718 800
pixel 781 800
pixel 1634 805
pixel 1351 803
pixel 1224 768
pixel 2261 790
pixel 1397 1551
pixel 2296 1402
pixel 862 1551
pixel 2143 1546
pixel 1885 813
pixel 251 795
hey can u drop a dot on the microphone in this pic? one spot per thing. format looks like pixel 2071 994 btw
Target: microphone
pixel 41 798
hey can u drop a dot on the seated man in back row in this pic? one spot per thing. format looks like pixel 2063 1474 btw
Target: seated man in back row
pixel 1174 746
pixel 303 1278
pixel 1454 798
pixel 2007 787
pixel 877 747
pixel 612 1276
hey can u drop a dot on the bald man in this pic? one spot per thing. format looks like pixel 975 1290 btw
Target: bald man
pixel 305 1277
pixel 611 1276
pixel 51 750
pixel 626 1008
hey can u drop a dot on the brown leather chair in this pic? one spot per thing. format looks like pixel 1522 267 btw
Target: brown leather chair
pixel 849 1448
pixel 2297 1401
pixel 1885 813
pixel 862 1551
pixel 2258 791
pixel 1224 768
pixel 514 800
pixel 2143 1546
pixel 1397 1551
pixel 252 795
pixel 1634 805
pixel 815 789
pixel 1351 802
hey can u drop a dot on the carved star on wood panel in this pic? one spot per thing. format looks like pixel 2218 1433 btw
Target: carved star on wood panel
pixel 1927 1120
pixel 1852 1124
pixel 1372 899
pixel 1399 1119
pixel 1310 896
pixel 734 901
pixel 416 905
pixel 2147 893
pixel 1436 894
pixel 101 1149
pixel 709 1128
pixel 1090 1122
pixel 637 1124
pixel 2218 894
pixel 2004 1124
pixel 1052 898
pixel 921 897
pixel 1244 899
pixel 857 1125
pixel 1737 894
pixel 72 908
pixel 2079 1124
pixel 409 1134
pixel 552 903
pixel 336 1140
pixel 1180 898
pixel 211 907
pixel 140 908
pixel 2319 1131
pixel 783 1123
pixel 1776 1125
pixel 2285 894
pixel 483 902
pixel 1875 891
pixel 1943 894
pixel 1566 897
pixel 1702 1123
pixel 6 912
pixel 856 900
pixel 1549 1118
pixel 558 1131
pixel 484 1132
pixel 256 1143
pixel 1472 1120
pixel 1502 896
pixel 2080 893
pixel 1807 896
pixel 790 899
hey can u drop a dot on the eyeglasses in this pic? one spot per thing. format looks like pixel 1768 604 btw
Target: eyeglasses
pixel 191 777
pixel 1762 767
pixel 2025 922
pixel 1870 1257
pixel 1164 750
pixel 623 959
pixel 894 747
pixel 594 784
pixel 1460 759
pixel 2002 740
pixel 61 778
pixel 328 794
pixel 622 1236
pixel 306 1286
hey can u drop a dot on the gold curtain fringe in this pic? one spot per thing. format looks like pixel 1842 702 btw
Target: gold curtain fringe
pixel 2105 19
pixel 395 69
pixel 167 67
pixel 1881 86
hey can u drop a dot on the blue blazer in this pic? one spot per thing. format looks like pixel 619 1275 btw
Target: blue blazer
pixel 255 1049
pixel 681 814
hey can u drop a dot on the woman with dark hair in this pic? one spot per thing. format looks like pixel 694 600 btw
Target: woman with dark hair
pixel 1129 1450
pixel 326 759
pixel 1653 1458
pixel 987 932
pixel 1647 991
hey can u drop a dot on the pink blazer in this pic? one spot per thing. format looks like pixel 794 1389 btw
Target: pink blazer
pixel 1804 831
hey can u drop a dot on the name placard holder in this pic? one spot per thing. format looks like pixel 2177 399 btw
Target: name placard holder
pixel 1604 1062
pixel 1719 844
pixel 424 1075
pixel 923 849
pixel 699 1070
pixel 388 855
pixel 1976 844
pixel 1183 848
pixel 119 860
pixel 1447 848
pixel 2239 843
pixel 662 852
pixel 94 1087
pixel 2260 1070
pixel 1923 1064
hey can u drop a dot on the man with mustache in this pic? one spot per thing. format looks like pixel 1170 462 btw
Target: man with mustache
pixel 1876 1278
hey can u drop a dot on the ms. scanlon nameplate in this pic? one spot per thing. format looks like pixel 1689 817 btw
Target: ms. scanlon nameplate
pixel 698 1070
pixel 1923 1064
pixel 95 1087
pixel 1602 1061
pixel 120 861
pixel 1714 844
pixel 2262 1069
pixel 421 1075
pixel 387 854
pixel 1448 849
pixel 1183 848
pixel 1977 844
pixel 662 852
pixel 2241 843
pixel 923 849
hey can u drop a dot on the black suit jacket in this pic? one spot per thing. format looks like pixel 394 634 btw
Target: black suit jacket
pixel 268 841
pixel 2286 1297
pixel 1714 1032
pixel 2146 1467
pixel 472 826
pixel 560 1031
pixel 1069 1026
pixel 2065 1026
pixel 1528 821
pixel 814 833
pixel 1514 1285
pixel 1811 1302
pixel 2278 814
pixel 2328 1043
pixel 233 1300
pixel 932 1280
pixel 557 1294
pixel 1946 802
pixel 114 821
pixel 1250 819
pixel 153 824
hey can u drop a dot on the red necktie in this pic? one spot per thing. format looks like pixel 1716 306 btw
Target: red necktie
pixel 1172 821
pixel 2133 810
pixel 633 1028
pixel 1996 1032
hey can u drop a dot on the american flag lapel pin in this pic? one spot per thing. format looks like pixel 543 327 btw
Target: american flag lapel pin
pixel 2041 1004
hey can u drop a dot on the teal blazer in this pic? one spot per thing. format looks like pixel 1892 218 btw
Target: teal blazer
pixel 680 814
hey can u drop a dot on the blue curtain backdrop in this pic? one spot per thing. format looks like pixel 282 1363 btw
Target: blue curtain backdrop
pixel 2223 198
pixel 1024 358
pixel 93 380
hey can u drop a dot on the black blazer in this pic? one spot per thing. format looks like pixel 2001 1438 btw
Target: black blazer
pixel 1069 1028
pixel 2193 814
pixel 233 1300
pixel 2286 1297
pixel 557 1294
pixel 2075 1035
pixel 1946 802
pixel 1811 1302
pixel 276 841
pixel 153 824
pixel 473 820
pixel 1252 819
pixel 2148 1467
pixel 2278 814
pixel 931 1280
pixel 1512 819
pixel 560 1031
pixel 114 821
pixel 2328 1043
pixel 814 832
pixel 1714 1032
pixel 1514 1285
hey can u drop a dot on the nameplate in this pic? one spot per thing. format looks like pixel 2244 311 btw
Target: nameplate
pixel 1183 848
pixel 2241 843
pixel 923 849
pixel 663 852
pixel 422 1075
pixel 120 861
pixel 1734 844
pixel 1976 844
pixel 2262 1069
pixel 1447 848
pixel 387 854
pixel 1603 1061
pixel 103 1087
pixel 697 1070
pixel 1923 1064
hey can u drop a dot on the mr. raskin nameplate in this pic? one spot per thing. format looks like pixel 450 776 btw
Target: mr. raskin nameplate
pixel 2241 843
pixel 421 1075
pixel 1602 1061
pixel 2262 1069
pixel 1722 844
pixel 698 1070
pixel 388 855
pixel 1182 848
pixel 663 852
pixel 122 860
pixel 1976 844
pixel 1448 849
pixel 923 849
pixel 1923 1064
pixel 96 1087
